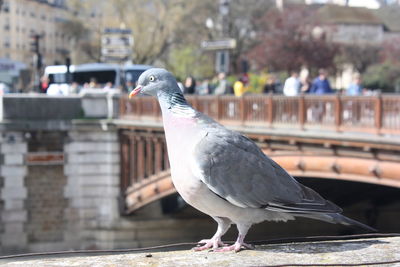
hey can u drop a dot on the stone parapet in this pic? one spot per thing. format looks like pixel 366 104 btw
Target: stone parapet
pixel 13 171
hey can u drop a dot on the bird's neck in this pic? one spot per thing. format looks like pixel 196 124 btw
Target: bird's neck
pixel 176 105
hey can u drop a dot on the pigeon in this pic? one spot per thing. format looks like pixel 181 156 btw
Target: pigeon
pixel 225 174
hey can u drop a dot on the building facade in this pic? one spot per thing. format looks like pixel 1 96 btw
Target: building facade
pixel 20 19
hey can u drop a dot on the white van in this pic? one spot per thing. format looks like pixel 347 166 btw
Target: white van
pixel 103 73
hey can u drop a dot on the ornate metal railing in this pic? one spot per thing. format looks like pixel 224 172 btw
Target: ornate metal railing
pixel 374 114
pixel 145 173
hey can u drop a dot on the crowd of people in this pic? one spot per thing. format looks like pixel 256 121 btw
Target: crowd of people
pixel 294 85
pixel 219 85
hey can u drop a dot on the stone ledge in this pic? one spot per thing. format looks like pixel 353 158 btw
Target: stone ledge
pixel 321 252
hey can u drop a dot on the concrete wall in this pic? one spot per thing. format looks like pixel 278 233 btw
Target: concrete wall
pixel 60 181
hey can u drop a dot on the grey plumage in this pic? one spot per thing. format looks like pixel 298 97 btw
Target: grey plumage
pixel 225 174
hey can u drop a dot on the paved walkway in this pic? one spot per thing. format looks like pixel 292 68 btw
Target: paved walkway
pixel 326 252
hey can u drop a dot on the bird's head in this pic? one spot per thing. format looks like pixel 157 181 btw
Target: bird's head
pixel 155 81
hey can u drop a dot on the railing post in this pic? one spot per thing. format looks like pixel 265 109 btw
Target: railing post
pixel 338 112
pixel 195 102
pixel 122 105
pixel 154 104
pixel 125 177
pixel 219 108
pixel 378 113
pixel 242 110
pixel 301 111
pixel 138 107
pixel 270 109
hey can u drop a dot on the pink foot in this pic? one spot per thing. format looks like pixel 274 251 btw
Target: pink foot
pixel 235 247
pixel 209 243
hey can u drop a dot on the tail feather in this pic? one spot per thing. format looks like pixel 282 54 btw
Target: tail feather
pixel 337 218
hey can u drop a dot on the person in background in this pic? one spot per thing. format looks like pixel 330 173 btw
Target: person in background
pixel 74 88
pixel 270 87
pixel 239 87
pixel 321 85
pixel 190 85
pixel 355 87
pixel 292 85
pixel 93 83
pixel 44 84
pixel 222 85
pixel 129 86
pixel 305 85
pixel 108 85
pixel 203 88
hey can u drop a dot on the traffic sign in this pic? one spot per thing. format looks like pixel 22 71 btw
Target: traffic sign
pixel 219 44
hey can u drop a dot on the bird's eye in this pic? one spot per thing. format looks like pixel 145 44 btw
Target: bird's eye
pixel 152 78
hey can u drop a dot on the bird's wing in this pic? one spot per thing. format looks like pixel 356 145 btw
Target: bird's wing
pixel 233 167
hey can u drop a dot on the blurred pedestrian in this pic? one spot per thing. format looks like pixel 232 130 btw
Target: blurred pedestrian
pixel 44 84
pixel 292 85
pixel 190 85
pixel 203 88
pixel 222 87
pixel 239 87
pixel 355 88
pixel 108 85
pixel 270 86
pixel 321 85
pixel 93 83
pixel 305 84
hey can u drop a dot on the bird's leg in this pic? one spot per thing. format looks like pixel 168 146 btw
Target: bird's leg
pixel 239 244
pixel 215 241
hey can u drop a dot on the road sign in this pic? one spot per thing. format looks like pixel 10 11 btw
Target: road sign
pixel 116 45
pixel 219 44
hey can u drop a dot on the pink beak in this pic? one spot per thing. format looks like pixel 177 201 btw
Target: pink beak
pixel 135 91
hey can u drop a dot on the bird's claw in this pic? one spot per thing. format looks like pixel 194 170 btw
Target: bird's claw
pixel 208 244
pixel 235 247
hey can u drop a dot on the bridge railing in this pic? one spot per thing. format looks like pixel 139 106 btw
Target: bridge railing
pixel 373 114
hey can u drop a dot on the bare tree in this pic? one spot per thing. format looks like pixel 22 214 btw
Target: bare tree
pixel 359 55
pixel 287 42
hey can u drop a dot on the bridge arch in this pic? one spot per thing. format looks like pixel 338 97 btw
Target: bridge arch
pixel 330 137
pixel 351 169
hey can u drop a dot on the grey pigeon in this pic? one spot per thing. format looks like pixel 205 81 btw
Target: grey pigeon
pixel 225 174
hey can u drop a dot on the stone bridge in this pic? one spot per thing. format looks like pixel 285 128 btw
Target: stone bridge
pixel 92 171
pixel 328 137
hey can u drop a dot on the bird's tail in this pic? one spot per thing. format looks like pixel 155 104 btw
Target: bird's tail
pixel 337 218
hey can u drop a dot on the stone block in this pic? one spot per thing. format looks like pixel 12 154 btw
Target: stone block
pixel 13 148
pixel 14 204
pixel 13 227
pixel 6 170
pixel 85 147
pixel 13 159
pixel 84 158
pixel 14 181
pixel 93 180
pixel 48 246
pixel 14 240
pixel 90 169
pixel 100 191
pixel 91 202
pixel 13 192
pixel 14 216
pixel 93 136
pixel 78 191
pixel 114 235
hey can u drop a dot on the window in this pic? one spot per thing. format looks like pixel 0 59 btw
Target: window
pixel 6 7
